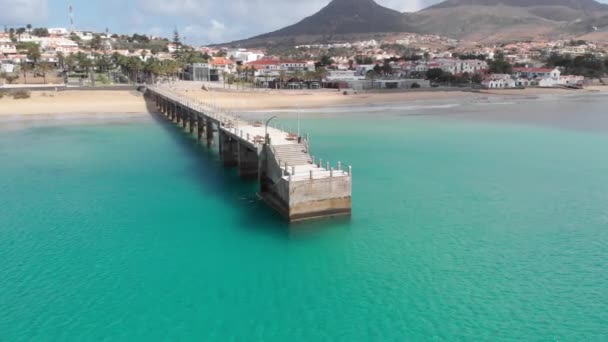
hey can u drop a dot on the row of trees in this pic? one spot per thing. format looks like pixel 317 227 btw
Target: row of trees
pixel 439 76
pixel 587 65
pixel 133 67
pixel 16 33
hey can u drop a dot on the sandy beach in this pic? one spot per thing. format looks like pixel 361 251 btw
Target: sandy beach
pixel 260 100
pixel 75 102
pixel 131 102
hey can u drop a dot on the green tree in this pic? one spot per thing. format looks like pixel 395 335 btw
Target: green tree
pixel 499 65
pixel 10 78
pixel 70 63
pixel 26 68
pixel 325 61
pixel 177 44
pixel 386 68
pixel 364 60
pixel 371 75
pixel 33 53
pixel 61 60
pixel 320 74
pixel 44 68
pixel 40 32
pixel 476 79
pixel 435 74
pixel 96 43
pixel 76 38
pixel 20 32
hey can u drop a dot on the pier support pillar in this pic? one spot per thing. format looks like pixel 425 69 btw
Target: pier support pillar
pixel 229 150
pixel 192 121
pixel 200 124
pixel 209 133
pixel 248 162
pixel 185 118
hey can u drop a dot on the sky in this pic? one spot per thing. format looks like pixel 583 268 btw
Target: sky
pixel 198 21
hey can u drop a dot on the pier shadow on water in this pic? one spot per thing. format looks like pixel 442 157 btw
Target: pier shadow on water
pixel 216 180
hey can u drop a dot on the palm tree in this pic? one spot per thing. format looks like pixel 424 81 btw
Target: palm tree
pixel 60 60
pixel 320 74
pixel 70 62
pixel 26 67
pixel 224 75
pixel 282 77
pixel 251 72
pixel 20 31
pixel 44 68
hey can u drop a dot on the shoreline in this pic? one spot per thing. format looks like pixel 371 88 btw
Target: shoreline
pixel 129 103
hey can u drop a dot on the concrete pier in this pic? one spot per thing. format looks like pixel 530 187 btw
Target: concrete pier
pixel 290 180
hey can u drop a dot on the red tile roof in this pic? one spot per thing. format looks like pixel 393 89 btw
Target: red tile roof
pixel 221 61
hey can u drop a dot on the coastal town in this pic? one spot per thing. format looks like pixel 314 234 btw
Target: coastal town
pixel 35 57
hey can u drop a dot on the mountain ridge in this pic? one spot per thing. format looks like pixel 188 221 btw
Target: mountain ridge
pixel 479 20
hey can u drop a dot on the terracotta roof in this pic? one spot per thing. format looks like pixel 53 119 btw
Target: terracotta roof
pixel 221 61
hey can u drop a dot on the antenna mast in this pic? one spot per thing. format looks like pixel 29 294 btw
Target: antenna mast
pixel 71 15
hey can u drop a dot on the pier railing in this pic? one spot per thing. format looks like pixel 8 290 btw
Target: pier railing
pixel 251 133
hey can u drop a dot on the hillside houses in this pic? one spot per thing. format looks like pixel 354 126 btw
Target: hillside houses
pixel 451 65
pixel 275 66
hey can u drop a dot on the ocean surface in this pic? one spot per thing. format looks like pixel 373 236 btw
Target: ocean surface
pixel 479 221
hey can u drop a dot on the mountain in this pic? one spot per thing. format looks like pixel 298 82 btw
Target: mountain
pixel 476 20
pixel 499 20
pixel 340 18
pixel 584 5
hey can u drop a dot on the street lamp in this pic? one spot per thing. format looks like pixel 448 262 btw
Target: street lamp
pixel 266 137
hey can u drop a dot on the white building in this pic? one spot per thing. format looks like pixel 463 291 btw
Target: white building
pixel 363 69
pixel 245 56
pixel 472 66
pixel 59 31
pixel 84 35
pixel 531 73
pixel 7 67
pixel 343 75
pixel 8 48
pixel 499 81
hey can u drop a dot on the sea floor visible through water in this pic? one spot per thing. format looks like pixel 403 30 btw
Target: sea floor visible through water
pixel 471 221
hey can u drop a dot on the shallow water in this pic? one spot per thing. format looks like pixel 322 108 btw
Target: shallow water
pixel 468 224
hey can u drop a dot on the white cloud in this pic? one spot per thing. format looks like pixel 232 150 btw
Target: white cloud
pixel 23 12
pixel 216 21
pixel 189 8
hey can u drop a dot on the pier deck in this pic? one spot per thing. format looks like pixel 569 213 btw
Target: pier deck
pixel 291 180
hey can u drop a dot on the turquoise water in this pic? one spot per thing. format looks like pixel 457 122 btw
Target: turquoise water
pixel 463 229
